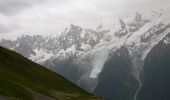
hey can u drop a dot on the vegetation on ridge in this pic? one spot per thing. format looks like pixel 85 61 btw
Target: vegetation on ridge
pixel 23 79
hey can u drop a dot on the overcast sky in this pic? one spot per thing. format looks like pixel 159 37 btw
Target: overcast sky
pixel 52 16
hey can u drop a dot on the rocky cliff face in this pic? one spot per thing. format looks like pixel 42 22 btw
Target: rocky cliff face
pixel 115 80
pixel 155 74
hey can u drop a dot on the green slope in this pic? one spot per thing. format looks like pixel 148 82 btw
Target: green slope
pixel 22 79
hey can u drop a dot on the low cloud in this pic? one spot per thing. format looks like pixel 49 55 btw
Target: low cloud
pixel 11 7
pixel 52 16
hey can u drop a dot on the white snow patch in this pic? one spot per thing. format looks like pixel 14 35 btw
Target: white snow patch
pixel 167 40
pixel 18 44
pixel 85 47
pixel 82 35
pixel 41 56
pixel 99 58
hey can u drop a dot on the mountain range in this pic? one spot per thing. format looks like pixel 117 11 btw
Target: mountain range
pixel 119 60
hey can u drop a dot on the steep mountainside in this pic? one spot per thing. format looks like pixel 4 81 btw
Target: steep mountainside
pixel 155 78
pixel 115 80
pixel 22 79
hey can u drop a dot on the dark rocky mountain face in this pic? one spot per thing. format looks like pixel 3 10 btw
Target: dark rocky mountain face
pixel 116 81
pixel 66 68
pixel 155 78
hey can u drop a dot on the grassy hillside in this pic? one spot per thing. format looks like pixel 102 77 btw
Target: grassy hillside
pixel 22 79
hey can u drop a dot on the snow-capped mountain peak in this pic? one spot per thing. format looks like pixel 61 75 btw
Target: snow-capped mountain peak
pixel 138 34
pixel 90 49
